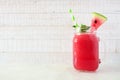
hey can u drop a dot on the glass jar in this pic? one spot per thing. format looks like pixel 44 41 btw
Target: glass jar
pixel 86 51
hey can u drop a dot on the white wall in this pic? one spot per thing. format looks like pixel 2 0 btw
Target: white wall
pixel 35 29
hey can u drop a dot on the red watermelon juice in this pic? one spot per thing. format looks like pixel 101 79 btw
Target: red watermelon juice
pixel 85 51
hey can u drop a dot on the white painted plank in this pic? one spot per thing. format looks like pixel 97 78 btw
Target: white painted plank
pixel 108 46
pixel 53 19
pixel 57 6
pixel 36 33
pixel 23 46
pixel 39 19
pixel 67 46
pixel 48 33
pixel 46 46
pixel 117 50
pixel 42 47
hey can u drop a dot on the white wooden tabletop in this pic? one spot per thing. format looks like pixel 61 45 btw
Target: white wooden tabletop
pixel 57 72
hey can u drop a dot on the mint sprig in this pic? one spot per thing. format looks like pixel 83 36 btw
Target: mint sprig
pixel 84 28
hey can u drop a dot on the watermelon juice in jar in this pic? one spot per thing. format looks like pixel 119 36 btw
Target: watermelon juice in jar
pixel 85 51
pixel 86 43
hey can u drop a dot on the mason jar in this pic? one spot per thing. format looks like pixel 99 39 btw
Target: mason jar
pixel 86 51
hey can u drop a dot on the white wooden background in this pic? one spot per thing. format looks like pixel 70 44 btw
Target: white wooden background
pixel 35 30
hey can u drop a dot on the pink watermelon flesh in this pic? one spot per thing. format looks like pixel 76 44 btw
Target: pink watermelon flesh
pixel 97 20
pixel 96 23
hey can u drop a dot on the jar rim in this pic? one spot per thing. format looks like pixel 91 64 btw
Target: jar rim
pixel 85 33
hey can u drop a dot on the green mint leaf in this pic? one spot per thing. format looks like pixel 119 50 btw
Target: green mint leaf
pixel 84 28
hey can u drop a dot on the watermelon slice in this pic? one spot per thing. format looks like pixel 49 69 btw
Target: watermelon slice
pixel 97 20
